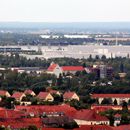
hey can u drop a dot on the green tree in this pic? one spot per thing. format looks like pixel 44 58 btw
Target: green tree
pixel 115 102
pixel 124 119
pixel 106 101
pixel 32 127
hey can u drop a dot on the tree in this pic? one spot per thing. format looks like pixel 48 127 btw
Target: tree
pixel 57 98
pixel 32 127
pixel 129 102
pixel 60 80
pixel 121 67
pixel 90 58
pixel 115 102
pixel 2 128
pixel 106 101
pixel 97 57
pixel 124 119
pixel 103 57
pixel 125 106
pixel 84 65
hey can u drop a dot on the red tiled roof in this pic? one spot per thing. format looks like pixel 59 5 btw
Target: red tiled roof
pixel 42 95
pixel 3 92
pixel 122 127
pixel 111 95
pixel 68 95
pixel 53 91
pixel 94 127
pixel 53 129
pixel 28 91
pixel 117 115
pixel 69 111
pixel 101 108
pixel 22 122
pixel 52 67
pixel 10 114
pixel 89 115
pixel 17 95
pixel 72 68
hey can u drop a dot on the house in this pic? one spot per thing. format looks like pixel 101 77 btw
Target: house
pixel 118 97
pixel 102 108
pixel 56 121
pixel 4 93
pixel 18 96
pixel 117 119
pixel 45 96
pixel 72 69
pixel 36 109
pixel 68 96
pixel 54 69
pixel 94 127
pixel 29 92
pixel 52 91
pixel 55 92
pixel 122 127
pixel 89 117
pixel 57 70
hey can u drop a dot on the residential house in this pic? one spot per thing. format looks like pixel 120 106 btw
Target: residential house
pixel 102 108
pixel 117 119
pixel 54 69
pixel 29 92
pixel 18 96
pixel 89 117
pixel 68 96
pixel 72 69
pixel 55 92
pixel 57 70
pixel 45 96
pixel 4 93
pixel 94 127
pixel 118 97
pixel 52 91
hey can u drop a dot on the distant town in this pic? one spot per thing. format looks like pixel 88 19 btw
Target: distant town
pixel 63 78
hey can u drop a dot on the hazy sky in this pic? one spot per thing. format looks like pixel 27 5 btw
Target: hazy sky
pixel 64 10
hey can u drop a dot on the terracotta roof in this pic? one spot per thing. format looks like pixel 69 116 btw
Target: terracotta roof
pixel 53 129
pixel 17 95
pixel 52 67
pixel 117 115
pixel 3 92
pixel 28 91
pixel 68 95
pixel 11 114
pixel 72 68
pixel 101 108
pixel 122 127
pixel 42 95
pixel 53 91
pixel 111 95
pixel 68 110
pixel 94 127
pixel 89 115
pixel 21 122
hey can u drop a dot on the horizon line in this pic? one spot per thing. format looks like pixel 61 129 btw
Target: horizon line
pixel 64 22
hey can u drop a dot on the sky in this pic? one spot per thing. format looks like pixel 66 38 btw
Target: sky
pixel 64 10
